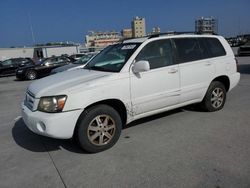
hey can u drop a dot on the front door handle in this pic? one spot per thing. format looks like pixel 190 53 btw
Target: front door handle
pixel 173 70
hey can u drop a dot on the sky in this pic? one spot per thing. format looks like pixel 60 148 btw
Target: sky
pixel 70 20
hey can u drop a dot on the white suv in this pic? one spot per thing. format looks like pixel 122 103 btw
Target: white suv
pixel 127 81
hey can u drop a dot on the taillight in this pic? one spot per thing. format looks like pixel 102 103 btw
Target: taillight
pixel 237 64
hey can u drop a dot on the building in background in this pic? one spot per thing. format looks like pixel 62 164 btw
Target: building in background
pixel 126 33
pixel 138 26
pixel 102 39
pixel 37 52
pixel 207 25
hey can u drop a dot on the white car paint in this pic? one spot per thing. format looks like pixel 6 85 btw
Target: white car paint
pixel 143 94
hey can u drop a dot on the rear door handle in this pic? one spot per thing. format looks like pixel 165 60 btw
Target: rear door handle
pixel 208 64
pixel 173 70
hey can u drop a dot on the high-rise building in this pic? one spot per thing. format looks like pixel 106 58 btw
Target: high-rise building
pixel 138 26
pixel 126 33
pixel 156 30
pixel 207 25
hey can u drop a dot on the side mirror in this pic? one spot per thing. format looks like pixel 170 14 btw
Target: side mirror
pixel 141 66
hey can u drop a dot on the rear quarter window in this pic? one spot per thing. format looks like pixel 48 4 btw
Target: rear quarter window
pixel 214 47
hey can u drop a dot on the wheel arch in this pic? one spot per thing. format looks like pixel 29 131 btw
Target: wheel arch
pixel 224 80
pixel 117 104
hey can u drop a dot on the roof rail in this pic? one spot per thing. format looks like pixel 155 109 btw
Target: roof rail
pixel 122 40
pixel 168 33
pixel 159 34
pixel 175 33
pixel 171 33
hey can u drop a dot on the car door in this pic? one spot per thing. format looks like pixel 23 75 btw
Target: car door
pixel 159 87
pixel 7 67
pixel 47 66
pixel 196 69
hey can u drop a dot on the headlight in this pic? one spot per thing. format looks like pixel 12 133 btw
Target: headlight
pixel 47 64
pixel 52 104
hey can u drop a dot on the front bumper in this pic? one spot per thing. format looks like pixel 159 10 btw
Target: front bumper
pixel 55 125
pixel 20 74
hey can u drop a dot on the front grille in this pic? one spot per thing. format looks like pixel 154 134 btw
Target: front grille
pixel 29 100
pixel 31 94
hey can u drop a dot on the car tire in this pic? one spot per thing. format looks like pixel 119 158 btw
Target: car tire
pixel 31 75
pixel 98 128
pixel 215 97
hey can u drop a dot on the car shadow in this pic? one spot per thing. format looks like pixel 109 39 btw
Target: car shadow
pixel 244 69
pixel 153 117
pixel 19 80
pixel 36 143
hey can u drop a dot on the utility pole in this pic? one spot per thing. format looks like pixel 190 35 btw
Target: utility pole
pixel 31 29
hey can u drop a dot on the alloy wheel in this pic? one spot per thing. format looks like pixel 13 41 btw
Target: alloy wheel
pixel 217 97
pixel 101 130
pixel 31 75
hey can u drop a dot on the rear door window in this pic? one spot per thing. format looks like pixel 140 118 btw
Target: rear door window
pixel 189 49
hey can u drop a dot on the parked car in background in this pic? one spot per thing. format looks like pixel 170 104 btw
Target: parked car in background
pixel 244 49
pixel 9 66
pixel 77 56
pixel 43 68
pixel 75 65
pixel 128 81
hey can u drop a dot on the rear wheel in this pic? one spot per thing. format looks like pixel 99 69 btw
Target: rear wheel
pixel 98 128
pixel 31 75
pixel 215 97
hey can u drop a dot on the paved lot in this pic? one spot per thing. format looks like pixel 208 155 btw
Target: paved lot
pixel 181 148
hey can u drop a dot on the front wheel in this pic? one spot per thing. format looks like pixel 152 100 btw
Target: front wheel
pixel 98 128
pixel 215 97
pixel 31 75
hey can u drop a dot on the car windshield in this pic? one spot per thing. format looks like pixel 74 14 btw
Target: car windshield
pixel 83 60
pixel 112 58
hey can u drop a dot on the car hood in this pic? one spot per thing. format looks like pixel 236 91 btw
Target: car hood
pixel 64 68
pixel 61 83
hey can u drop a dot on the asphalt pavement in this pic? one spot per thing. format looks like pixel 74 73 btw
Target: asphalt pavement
pixel 181 148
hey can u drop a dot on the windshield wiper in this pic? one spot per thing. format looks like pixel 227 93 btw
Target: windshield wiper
pixel 99 68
